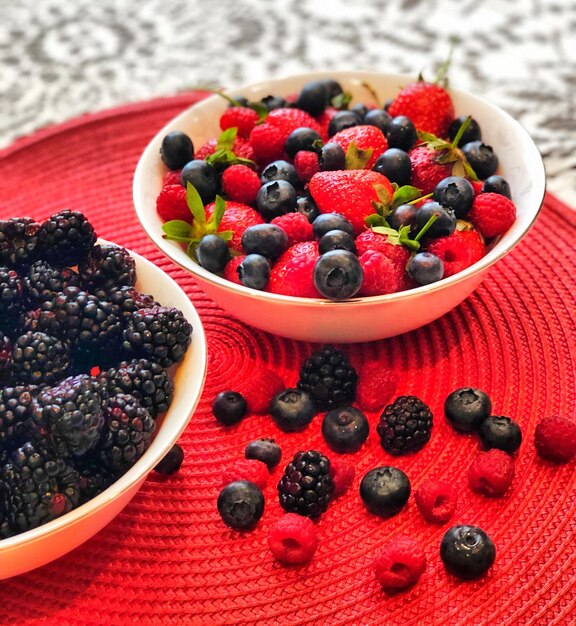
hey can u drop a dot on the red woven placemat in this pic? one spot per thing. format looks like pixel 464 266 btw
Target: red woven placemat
pixel 167 558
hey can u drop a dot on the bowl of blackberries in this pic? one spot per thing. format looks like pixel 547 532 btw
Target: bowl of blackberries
pixel 102 363
pixel 346 207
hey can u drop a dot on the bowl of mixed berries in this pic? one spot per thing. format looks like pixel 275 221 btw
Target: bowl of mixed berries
pixel 102 362
pixel 345 207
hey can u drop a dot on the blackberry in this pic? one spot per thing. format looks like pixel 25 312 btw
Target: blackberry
pixel 15 410
pixel 43 281
pixel 65 238
pixel 161 334
pixel 36 486
pixel 38 358
pixel 5 359
pixel 127 300
pixel 93 477
pixel 107 267
pixel 405 425
pixel 70 415
pixel 127 433
pixel 306 487
pixel 12 298
pixel 18 241
pixel 148 382
pixel 329 378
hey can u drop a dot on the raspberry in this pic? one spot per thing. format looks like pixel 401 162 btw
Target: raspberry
pixel 457 251
pixel 436 500
pixel 240 184
pixel 246 469
pixel 296 226
pixel 399 564
pixel 491 473
pixel 231 269
pixel 293 539
pixel 172 177
pixel 380 275
pixel 343 474
pixel 492 214
pixel 243 118
pixel 555 439
pixel 324 121
pixel 292 274
pixel 259 390
pixel 171 204
pixel 398 254
pixel 306 165
pixel 267 142
pixel 376 386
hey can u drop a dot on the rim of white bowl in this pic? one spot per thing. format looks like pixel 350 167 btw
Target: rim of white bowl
pixel 172 250
pixel 153 455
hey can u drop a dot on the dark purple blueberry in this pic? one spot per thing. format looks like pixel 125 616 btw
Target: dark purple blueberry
pixel 280 170
pixel 203 177
pixel 456 193
pixel 500 432
pixel 172 462
pixel 337 240
pixel 401 133
pixel 302 139
pixel 241 505
pixel 425 268
pixel 331 221
pixel 385 490
pixel 292 409
pixel 333 88
pixel 465 409
pixel 265 450
pixel 176 150
pixel 395 164
pixel 360 110
pixel 272 102
pixel 213 253
pixel 345 429
pixel 379 118
pixel 467 551
pixel 338 274
pixel 313 97
pixel 445 223
pixel 306 205
pixel 276 198
pixel 254 271
pixel 482 158
pixel 240 101
pixel 269 240
pixel 403 215
pixel 229 407
pixel 472 132
pixel 332 157
pixel 497 184
pixel 342 120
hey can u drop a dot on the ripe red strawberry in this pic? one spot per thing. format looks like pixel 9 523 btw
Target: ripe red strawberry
pixel 492 214
pixel 246 469
pixel 351 193
pixel 231 269
pixel 240 184
pixel 171 204
pixel 365 138
pixel 242 118
pixel 241 148
pixel 428 105
pixel 458 251
pixel 477 186
pixel 324 121
pixel 237 217
pixel 292 274
pixel 380 274
pixel 306 165
pixel 376 386
pixel 296 226
pixel 286 120
pixel 262 385
pixel 426 171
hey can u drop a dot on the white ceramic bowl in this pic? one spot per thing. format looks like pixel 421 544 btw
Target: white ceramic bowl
pixel 358 319
pixel 41 545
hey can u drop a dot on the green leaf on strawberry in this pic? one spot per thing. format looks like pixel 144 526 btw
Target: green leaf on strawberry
pixel 260 109
pixel 177 230
pixel 401 237
pixel 223 154
pixel 405 194
pixel 341 100
pixel 356 158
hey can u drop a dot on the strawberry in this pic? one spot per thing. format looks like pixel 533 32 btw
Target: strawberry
pixel 171 204
pixel 380 275
pixel 237 217
pixel 240 147
pixel 353 193
pixel 458 251
pixel 306 164
pixel 292 274
pixel 324 121
pixel 240 184
pixel 242 118
pixel 286 120
pixel 492 214
pixel 376 386
pixel 426 171
pixel 231 269
pixel 368 144
pixel 296 226
pixel 259 389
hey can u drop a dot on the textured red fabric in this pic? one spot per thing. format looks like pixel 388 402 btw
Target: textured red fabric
pixel 169 559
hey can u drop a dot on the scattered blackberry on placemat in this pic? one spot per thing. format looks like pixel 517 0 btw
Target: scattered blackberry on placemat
pixel 329 378
pixel 107 267
pixel 40 359
pixel 306 486
pixel 18 241
pixel 65 238
pixel 405 425
pixel 43 281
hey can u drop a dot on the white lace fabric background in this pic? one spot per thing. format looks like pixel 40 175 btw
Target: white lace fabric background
pixel 61 59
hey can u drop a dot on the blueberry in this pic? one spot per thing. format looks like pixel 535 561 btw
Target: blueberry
pixel 332 157
pixel 401 133
pixel 176 150
pixel 268 240
pixel 395 164
pixel 360 110
pixel 345 429
pixel 465 408
pixel 482 158
pixel 272 102
pixel 265 450
pixel 229 407
pixel 337 240
pixel 306 205
pixel 331 221
pixel 313 98
pixel 203 177
pixel 425 268
pixel 341 121
pixel 338 274
pixel 379 118
pixel 455 192
pixel 497 184
pixel 500 432
pixel 172 462
pixel 241 101
pixel 333 88
pixel 292 409
pixel 254 271
pixel 213 253
pixel 385 490
pixel 403 215
pixel 280 170
pixel 443 226
pixel 275 198
pixel 241 505
pixel 467 551
pixel 302 139
pixel 472 132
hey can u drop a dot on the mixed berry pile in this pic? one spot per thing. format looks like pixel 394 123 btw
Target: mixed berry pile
pixel 312 480
pixel 309 196
pixel 84 360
